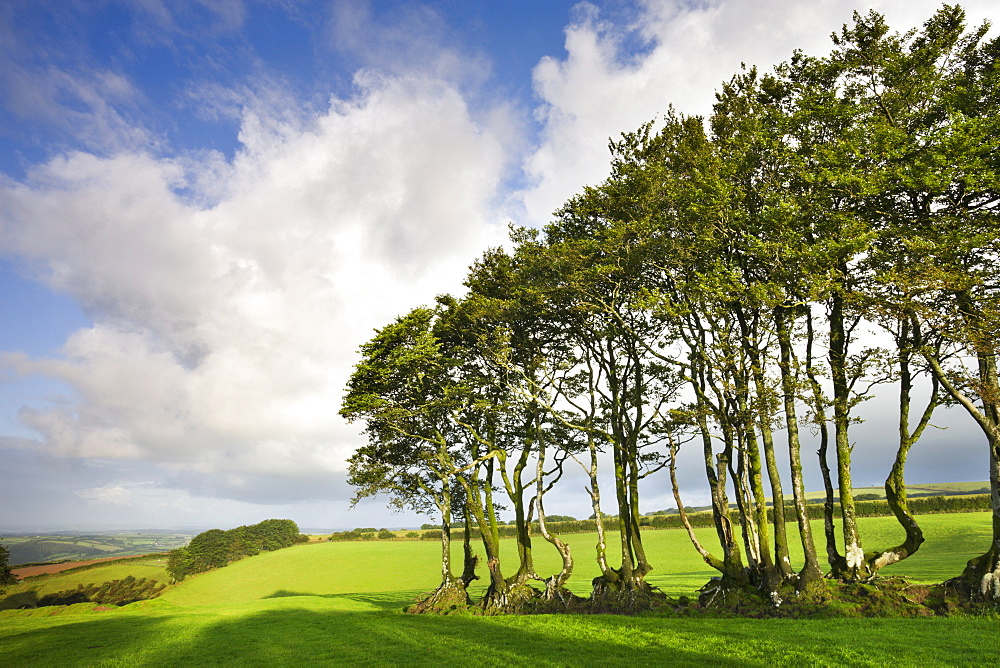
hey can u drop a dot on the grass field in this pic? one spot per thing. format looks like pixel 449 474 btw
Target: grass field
pixel 340 603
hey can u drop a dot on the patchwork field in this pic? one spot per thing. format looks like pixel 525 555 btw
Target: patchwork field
pixel 64 546
pixel 340 603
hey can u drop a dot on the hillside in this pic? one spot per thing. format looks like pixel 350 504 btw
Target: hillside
pixel 410 567
pixel 340 603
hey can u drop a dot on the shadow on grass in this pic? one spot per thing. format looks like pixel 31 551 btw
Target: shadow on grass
pixel 391 601
pixel 293 635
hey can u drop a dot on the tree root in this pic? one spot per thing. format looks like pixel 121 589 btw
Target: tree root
pixel 449 598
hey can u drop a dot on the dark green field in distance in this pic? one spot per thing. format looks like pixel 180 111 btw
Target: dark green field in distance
pixel 66 546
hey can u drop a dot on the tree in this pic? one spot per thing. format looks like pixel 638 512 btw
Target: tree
pixel 400 389
pixel 930 103
pixel 6 577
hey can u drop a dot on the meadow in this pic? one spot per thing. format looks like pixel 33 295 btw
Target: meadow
pixel 341 603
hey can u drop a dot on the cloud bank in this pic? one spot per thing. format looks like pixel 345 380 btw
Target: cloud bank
pixel 228 294
pixel 229 298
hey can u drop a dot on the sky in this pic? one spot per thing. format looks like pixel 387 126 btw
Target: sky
pixel 207 206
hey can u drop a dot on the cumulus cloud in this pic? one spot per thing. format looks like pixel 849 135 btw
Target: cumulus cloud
pixel 228 295
pixel 118 495
pixel 686 50
pixel 223 334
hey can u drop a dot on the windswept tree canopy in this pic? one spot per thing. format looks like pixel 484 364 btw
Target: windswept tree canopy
pixel 716 292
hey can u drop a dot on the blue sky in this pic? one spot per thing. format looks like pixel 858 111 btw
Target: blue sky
pixel 207 205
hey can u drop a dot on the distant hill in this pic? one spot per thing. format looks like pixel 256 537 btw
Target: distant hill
pixel 913 491
pixel 66 546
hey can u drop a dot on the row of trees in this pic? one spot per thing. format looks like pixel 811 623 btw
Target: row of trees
pixel 713 293
pixel 216 548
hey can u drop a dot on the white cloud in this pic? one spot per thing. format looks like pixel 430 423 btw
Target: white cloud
pixel 229 296
pixel 599 90
pixel 118 495
pixel 223 335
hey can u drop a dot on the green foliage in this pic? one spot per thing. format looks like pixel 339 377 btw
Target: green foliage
pixel 6 577
pixel 115 592
pixel 216 548
pixel 386 535
pixel 354 534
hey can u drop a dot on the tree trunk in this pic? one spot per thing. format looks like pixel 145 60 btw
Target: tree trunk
pixel 760 408
pixel 811 571
pixel 982 574
pixel 895 483
pixel 833 556
pixel 854 567
pixel 554 585
pixel 471 561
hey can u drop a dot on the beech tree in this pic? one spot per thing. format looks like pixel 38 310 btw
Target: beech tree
pixel 930 104
pixel 714 291
pixel 403 391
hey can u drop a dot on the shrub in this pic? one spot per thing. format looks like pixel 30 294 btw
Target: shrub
pixel 432 535
pixel 385 534
pixel 116 592
pixel 412 534
pixel 216 548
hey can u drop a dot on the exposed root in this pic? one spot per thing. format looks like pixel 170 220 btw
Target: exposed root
pixel 449 598
pixel 618 596
pixel 879 597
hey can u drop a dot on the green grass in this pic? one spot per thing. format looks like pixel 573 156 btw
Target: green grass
pixel 154 568
pixel 366 629
pixel 923 488
pixel 340 603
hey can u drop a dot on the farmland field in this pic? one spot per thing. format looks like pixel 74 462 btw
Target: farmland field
pixel 66 546
pixel 341 603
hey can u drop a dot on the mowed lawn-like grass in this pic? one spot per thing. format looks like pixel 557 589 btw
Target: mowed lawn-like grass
pixel 341 603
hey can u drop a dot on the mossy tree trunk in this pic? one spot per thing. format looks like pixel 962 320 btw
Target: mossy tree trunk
pixel 555 585
pixel 907 340
pixel 716 469
pixel 811 571
pixel 981 574
pixel 819 404
pixel 515 486
pixel 853 568
pixel 761 411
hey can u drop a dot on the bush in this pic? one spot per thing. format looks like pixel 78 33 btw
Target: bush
pixel 412 534
pixel 354 534
pixel 385 534
pixel 216 548
pixel 432 535
pixel 116 592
